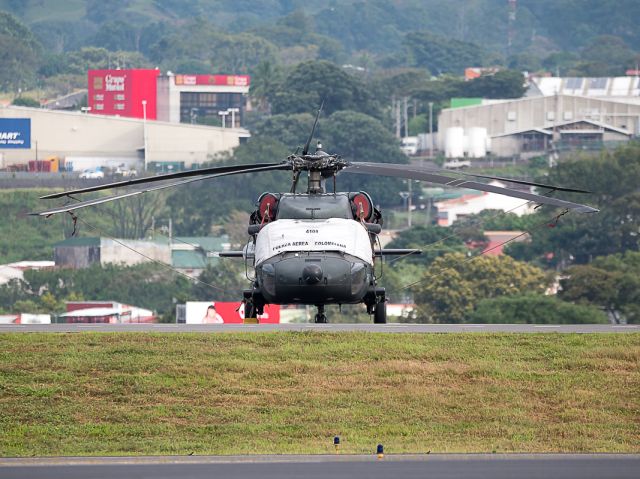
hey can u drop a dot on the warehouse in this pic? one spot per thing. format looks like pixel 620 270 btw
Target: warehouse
pixel 577 116
pixel 92 141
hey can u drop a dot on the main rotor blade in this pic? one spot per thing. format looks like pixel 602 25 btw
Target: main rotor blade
pixel 168 176
pixel 98 201
pixel 523 182
pixel 405 171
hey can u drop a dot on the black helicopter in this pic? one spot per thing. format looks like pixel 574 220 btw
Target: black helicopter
pixel 318 247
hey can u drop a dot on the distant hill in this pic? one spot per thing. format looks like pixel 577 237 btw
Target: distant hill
pixel 374 25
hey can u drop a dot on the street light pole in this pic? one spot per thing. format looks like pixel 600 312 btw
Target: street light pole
pixel 223 114
pixel 144 131
pixel 409 205
pixel 233 112
pixel 430 129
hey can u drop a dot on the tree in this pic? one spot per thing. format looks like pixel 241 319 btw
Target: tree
pixel 310 83
pixel 503 84
pixel 240 53
pixel 358 137
pixel 117 35
pixel 453 285
pixel 290 130
pixel 612 177
pixel 133 217
pixel 26 101
pixel 19 54
pixel 265 78
pixel 99 11
pixel 363 26
pixel 610 282
pixel 442 55
pixel 534 309
pixel 433 241
pixel 196 209
pixel 223 282
pixel 146 285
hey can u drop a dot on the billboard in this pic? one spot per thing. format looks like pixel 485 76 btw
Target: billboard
pixel 15 133
pixel 122 92
pixel 218 312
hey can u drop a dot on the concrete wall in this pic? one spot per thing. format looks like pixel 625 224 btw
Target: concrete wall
pixel 76 256
pixel 84 135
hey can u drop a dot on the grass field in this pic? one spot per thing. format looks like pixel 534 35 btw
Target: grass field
pixel 104 393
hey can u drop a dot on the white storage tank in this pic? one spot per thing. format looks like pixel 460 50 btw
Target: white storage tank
pixel 454 142
pixel 477 142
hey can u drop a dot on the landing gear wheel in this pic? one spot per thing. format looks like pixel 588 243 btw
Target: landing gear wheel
pixel 380 314
pixel 321 318
pixel 250 310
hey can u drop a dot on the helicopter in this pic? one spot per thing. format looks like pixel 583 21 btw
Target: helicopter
pixel 318 247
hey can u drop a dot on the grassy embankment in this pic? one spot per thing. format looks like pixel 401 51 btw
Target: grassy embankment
pixel 96 393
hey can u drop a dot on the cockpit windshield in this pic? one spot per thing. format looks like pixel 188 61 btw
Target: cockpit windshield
pixel 314 207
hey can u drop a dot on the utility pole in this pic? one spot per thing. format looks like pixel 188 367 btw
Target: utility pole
pixel 396 110
pixel 144 132
pixel 430 129
pixel 409 205
pixel 406 116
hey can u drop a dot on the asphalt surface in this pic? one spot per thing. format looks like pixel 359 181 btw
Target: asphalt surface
pixel 445 466
pixel 371 328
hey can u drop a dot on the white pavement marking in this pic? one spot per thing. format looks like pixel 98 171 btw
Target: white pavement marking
pixel 545 326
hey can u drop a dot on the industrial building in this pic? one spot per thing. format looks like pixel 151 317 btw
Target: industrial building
pixel 137 119
pixel 93 141
pixel 175 98
pixel 558 114
pixel 188 255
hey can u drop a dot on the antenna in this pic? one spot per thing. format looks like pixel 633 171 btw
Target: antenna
pixel 313 129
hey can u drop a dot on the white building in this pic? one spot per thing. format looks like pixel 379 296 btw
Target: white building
pixel 89 141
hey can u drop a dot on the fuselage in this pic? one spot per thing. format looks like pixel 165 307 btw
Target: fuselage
pixel 314 252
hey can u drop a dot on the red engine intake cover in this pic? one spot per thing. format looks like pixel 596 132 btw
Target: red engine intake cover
pixel 267 208
pixel 364 206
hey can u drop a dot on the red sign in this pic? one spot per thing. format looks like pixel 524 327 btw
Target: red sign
pixel 128 93
pixel 216 312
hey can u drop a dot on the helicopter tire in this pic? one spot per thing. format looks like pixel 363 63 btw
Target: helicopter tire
pixel 249 310
pixel 380 313
pixel 321 319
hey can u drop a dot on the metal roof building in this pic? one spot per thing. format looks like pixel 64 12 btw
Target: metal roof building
pixel 530 126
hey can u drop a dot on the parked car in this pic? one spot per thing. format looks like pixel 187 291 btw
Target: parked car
pixel 122 171
pixel 456 164
pixel 91 174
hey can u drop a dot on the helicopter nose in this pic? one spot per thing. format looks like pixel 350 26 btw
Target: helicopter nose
pixel 312 274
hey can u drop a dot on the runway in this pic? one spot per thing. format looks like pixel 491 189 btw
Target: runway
pixel 369 328
pixel 442 466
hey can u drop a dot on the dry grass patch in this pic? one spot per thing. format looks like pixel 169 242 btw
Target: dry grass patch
pixel 104 393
